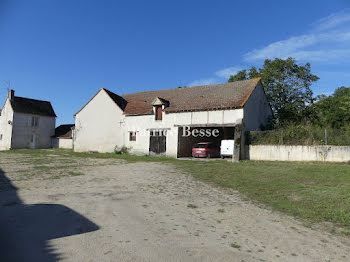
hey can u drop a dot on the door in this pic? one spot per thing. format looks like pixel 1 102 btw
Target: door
pixel 33 141
pixel 157 143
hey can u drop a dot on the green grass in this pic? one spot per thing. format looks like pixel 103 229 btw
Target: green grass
pixel 192 206
pixel 235 245
pixel 42 167
pixel 72 173
pixel 67 153
pixel 345 232
pixel 313 191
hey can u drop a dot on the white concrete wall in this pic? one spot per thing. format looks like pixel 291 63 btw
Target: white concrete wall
pixel 256 110
pixel 170 122
pixel 97 125
pixel 5 127
pixel 299 153
pixel 142 125
pixel 62 143
pixel 23 130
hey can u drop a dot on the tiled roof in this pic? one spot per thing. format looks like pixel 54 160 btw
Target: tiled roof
pixel 32 106
pixel 117 99
pixel 196 98
pixel 64 131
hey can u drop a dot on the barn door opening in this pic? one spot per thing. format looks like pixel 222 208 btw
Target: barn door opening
pixel 157 144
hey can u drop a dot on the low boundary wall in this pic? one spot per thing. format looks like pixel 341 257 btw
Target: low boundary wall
pixel 298 153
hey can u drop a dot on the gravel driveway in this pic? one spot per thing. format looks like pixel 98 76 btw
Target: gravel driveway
pixel 110 210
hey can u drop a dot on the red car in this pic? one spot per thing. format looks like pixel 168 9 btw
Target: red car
pixel 205 149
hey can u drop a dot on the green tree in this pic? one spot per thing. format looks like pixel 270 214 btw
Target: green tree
pixel 240 75
pixel 333 110
pixel 287 86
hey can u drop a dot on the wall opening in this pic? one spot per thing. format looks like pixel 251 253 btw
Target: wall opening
pixel 185 143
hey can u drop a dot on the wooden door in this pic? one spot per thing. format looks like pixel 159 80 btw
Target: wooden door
pixel 157 143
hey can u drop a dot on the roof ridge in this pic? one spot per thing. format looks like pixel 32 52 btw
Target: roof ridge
pixel 32 99
pixel 108 91
pixel 257 79
pixel 66 125
pixel 32 106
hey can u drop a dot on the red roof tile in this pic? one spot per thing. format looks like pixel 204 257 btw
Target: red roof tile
pixel 196 98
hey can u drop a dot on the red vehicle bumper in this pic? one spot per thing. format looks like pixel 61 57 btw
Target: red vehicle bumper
pixel 199 155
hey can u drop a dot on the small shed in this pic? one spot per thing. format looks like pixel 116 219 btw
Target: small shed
pixel 63 137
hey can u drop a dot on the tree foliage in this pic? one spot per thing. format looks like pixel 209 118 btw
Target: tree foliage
pixel 287 86
pixel 334 110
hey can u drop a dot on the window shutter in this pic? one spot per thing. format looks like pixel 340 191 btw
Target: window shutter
pixel 159 113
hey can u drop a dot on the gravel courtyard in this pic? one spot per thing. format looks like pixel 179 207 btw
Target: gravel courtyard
pixel 62 208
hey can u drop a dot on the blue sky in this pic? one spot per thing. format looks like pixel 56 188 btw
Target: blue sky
pixel 65 50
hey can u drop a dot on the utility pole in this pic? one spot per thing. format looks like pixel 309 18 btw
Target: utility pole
pixel 7 84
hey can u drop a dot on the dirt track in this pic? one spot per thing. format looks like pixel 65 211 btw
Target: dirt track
pixel 120 211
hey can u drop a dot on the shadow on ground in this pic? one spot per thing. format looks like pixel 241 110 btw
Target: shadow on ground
pixel 25 230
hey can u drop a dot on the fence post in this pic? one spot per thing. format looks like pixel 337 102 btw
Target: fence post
pixel 325 137
pixel 282 137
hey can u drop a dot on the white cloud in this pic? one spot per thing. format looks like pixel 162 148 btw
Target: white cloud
pixel 327 41
pixel 204 81
pixel 227 72
pixel 332 56
pixel 282 48
pixel 333 20
pixel 306 47
pixel 220 76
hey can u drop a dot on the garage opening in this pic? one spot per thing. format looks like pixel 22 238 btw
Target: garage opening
pixel 190 136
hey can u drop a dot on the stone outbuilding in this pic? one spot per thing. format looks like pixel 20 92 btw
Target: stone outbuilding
pixel 168 122
pixel 63 137
pixel 26 123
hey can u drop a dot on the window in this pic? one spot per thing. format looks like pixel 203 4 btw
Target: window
pixel 132 136
pixel 158 112
pixel 0 136
pixel 35 121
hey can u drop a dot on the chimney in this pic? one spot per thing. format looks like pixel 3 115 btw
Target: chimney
pixel 11 94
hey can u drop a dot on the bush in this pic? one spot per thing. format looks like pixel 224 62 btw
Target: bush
pixel 121 150
pixel 300 135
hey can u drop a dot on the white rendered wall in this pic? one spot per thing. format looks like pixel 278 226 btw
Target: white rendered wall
pixel 23 130
pixel 170 122
pixel 97 125
pixel 66 143
pixel 5 127
pixel 299 153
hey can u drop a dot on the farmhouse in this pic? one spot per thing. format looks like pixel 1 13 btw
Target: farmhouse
pixel 63 137
pixel 26 123
pixel 169 122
